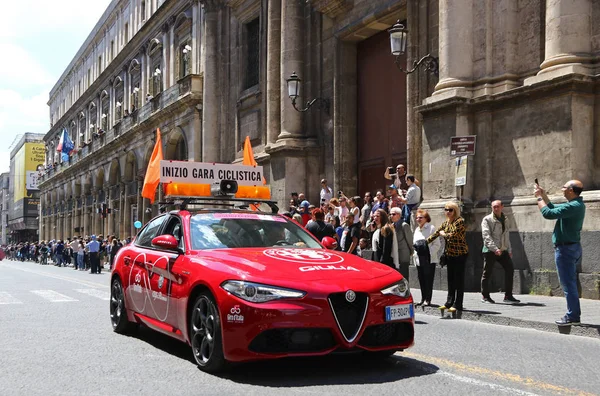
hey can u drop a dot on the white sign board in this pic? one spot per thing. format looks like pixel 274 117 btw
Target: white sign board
pixel 460 178
pixel 31 181
pixel 209 173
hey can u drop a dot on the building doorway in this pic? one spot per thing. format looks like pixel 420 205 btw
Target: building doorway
pixel 381 118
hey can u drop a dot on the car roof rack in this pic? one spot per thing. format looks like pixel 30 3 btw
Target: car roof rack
pixel 236 203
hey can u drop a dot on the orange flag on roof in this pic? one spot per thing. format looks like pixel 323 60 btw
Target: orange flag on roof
pixel 259 192
pixel 152 178
pixel 249 156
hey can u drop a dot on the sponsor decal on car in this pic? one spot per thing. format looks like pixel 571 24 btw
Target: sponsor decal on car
pixel 248 216
pixel 328 268
pixel 304 256
pixel 136 286
pixel 158 296
pixel 234 315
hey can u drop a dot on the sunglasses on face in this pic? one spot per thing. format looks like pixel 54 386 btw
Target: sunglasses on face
pixel 449 210
pixel 420 217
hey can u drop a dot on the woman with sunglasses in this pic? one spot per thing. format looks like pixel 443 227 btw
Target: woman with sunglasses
pixel 456 251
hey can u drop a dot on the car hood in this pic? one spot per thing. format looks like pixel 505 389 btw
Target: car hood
pixel 294 264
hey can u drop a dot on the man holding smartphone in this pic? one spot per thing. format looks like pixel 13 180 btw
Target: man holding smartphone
pixel 566 238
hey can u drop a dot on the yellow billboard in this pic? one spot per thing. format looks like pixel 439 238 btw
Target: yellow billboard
pixel 27 160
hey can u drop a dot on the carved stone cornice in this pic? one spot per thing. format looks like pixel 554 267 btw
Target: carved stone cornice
pixel 212 5
pixel 332 8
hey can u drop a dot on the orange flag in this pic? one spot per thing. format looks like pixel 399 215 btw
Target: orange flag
pixel 252 191
pixel 249 156
pixel 152 178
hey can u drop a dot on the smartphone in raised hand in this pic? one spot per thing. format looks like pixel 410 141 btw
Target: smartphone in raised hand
pixel 536 181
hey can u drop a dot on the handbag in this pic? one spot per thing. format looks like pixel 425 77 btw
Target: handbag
pixel 443 260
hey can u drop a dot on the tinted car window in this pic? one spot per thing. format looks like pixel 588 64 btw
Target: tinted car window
pixel 149 232
pixel 240 230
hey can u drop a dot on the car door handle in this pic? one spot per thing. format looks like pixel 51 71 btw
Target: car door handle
pixel 127 260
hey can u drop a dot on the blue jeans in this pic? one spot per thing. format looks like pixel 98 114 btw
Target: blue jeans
pixel 567 257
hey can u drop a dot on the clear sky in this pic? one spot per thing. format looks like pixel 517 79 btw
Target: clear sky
pixel 38 40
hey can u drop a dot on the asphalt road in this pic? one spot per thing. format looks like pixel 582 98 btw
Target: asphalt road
pixel 56 339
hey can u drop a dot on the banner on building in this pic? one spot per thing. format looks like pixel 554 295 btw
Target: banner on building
pixel 26 162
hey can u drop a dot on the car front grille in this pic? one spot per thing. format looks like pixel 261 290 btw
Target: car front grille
pixel 349 315
pixel 293 340
pixel 387 334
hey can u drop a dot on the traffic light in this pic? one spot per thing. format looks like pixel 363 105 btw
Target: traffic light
pixel 104 210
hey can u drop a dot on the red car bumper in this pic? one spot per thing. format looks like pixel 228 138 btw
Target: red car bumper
pixel 315 325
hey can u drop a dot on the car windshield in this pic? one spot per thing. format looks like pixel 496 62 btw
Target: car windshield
pixel 243 230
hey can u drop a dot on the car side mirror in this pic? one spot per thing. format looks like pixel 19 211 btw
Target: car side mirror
pixel 166 242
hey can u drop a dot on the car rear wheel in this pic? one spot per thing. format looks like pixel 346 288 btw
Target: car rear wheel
pixel 205 334
pixel 118 313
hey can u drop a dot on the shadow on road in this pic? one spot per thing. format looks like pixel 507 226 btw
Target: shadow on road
pixel 527 304
pixel 329 370
pixel 165 343
pixel 288 372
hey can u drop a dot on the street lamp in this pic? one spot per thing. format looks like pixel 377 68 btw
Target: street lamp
pixel 293 85
pixel 398 40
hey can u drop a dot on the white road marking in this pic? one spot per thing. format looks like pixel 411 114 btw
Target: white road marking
pixel 485 384
pixel 6 298
pixel 53 296
pixel 101 294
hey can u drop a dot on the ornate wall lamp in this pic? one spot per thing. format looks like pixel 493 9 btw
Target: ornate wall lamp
pixel 293 85
pixel 398 39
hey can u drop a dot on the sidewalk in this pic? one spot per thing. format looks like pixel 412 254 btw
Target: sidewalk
pixel 533 312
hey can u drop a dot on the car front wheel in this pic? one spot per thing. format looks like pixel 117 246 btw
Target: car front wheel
pixel 205 334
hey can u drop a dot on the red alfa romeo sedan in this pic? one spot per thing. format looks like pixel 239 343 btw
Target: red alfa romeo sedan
pixel 240 285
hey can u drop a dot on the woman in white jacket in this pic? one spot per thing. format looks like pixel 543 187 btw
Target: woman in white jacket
pixel 426 256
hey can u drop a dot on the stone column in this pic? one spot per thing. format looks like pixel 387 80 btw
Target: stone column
pixel 196 27
pixel 456 43
pixel 141 202
pixel 97 219
pixel 165 69
pixel 144 78
pixel 211 147
pixel 86 219
pixel 125 228
pixel 172 53
pixel 110 218
pixel 292 60
pixel 568 35
pixel 273 70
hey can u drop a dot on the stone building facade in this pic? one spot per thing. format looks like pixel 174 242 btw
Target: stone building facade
pixel 520 75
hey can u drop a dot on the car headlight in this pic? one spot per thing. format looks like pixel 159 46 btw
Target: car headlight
pixel 258 293
pixel 399 289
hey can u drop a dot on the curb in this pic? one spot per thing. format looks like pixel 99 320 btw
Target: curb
pixel 583 330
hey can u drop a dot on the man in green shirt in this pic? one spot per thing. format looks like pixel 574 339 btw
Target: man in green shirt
pixel 566 237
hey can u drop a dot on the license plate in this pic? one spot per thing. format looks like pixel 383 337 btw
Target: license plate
pixel 399 312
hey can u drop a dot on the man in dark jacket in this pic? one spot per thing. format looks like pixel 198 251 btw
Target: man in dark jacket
pixel 319 228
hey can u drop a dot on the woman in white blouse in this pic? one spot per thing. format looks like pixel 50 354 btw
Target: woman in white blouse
pixel 428 256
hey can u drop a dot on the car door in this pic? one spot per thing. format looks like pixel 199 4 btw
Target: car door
pixel 165 280
pixel 136 259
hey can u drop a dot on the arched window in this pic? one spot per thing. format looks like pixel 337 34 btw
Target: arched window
pixel 183 34
pixel 93 117
pixel 82 137
pixel 105 111
pixel 155 80
pixel 135 78
pixel 118 92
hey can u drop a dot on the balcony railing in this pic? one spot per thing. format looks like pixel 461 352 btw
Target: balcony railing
pixel 188 85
